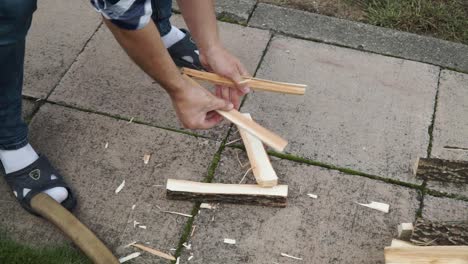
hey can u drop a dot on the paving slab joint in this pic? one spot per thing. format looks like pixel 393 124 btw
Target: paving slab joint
pixel 209 178
pixel 430 129
pixel 75 60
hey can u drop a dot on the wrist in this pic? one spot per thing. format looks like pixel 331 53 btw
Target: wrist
pixel 213 47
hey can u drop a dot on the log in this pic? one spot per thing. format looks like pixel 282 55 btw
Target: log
pixel 442 170
pixel 229 193
pixel 440 233
pixel 424 255
pixel 264 173
pixel 254 83
pixel 265 135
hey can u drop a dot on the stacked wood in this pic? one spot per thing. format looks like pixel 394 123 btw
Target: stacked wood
pixel 405 254
pixel 254 83
pixel 442 170
pixel 228 193
pixel 262 169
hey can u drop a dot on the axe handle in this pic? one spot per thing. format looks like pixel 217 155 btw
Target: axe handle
pixel 91 246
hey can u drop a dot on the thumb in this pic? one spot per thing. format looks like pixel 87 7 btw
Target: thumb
pixel 221 104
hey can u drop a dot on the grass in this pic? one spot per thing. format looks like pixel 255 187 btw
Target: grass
pixel 446 19
pixel 12 252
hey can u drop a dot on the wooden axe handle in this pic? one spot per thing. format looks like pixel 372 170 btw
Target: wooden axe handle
pixel 91 246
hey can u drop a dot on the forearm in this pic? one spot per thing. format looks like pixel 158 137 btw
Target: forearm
pixel 145 48
pixel 201 20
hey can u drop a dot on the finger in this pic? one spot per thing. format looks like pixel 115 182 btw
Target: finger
pixel 211 122
pixel 218 90
pixel 226 95
pixel 243 72
pixel 234 97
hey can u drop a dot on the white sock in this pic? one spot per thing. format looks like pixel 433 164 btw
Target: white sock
pixel 172 37
pixel 15 160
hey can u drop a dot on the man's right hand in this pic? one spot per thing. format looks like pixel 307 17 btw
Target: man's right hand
pixel 195 106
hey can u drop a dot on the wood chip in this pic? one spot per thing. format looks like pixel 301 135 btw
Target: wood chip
pixel 187 245
pixel 129 244
pixel 129 257
pixel 193 230
pixel 177 213
pixel 245 174
pixel 120 187
pixel 230 241
pixel 377 206
pixel 190 258
pixel 289 256
pixel 312 195
pixel 154 252
pixel 142 227
pixel 146 158
pixel 133 207
pixel 135 223
pixel 131 120
pixel 206 206
pixel 232 142
pixel 107 145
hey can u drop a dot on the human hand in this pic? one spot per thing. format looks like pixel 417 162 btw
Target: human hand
pixel 195 106
pixel 220 61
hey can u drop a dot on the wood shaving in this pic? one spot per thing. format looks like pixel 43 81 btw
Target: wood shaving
pixel 154 252
pixel 146 158
pixel 245 174
pixel 187 245
pixel 129 244
pixel 232 142
pixel 289 256
pixel 129 257
pixel 206 206
pixel 312 195
pixel 133 207
pixel 190 258
pixel 229 241
pixel 131 120
pixel 177 261
pixel 120 187
pixel 193 230
pixel 106 145
pixel 142 227
pixel 377 206
pixel 177 213
pixel 135 223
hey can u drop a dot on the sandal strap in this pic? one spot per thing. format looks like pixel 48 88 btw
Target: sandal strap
pixel 34 179
pixel 185 47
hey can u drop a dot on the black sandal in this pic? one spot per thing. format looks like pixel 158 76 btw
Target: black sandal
pixel 185 52
pixel 34 179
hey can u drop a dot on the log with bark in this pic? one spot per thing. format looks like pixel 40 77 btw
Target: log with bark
pixel 442 170
pixel 446 233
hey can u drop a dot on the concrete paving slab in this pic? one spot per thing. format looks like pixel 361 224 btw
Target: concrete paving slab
pixel 444 209
pixel 231 10
pixel 104 78
pixel 59 31
pixel 75 142
pixel 28 108
pixel 329 229
pixel 361 36
pixel 361 111
pixel 450 140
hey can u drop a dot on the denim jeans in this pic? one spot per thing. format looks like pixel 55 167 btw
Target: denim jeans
pixel 15 21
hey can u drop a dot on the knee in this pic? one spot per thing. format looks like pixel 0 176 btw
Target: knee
pixel 18 10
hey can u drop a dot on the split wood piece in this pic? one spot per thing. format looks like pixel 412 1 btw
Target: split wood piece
pixel 423 255
pixel 91 246
pixel 154 252
pixel 442 170
pixel 254 83
pixel 264 173
pixel 229 193
pixel 265 135
pixel 440 233
pixel 405 230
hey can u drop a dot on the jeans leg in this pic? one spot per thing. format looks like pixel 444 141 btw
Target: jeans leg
pixel 162 11
pixel 15 20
